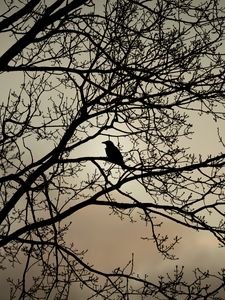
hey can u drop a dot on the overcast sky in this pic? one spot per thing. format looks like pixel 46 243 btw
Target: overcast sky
pixel 110 241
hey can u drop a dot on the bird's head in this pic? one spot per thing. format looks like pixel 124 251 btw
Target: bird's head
pixel 108 143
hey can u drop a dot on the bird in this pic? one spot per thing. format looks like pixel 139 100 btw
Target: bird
pixel 113 153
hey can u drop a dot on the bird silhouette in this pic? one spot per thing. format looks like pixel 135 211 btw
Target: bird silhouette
pixel 113 153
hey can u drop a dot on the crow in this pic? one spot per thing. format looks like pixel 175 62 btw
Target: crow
pixel 113 153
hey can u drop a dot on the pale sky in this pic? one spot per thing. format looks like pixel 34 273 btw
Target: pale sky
pixel 110 241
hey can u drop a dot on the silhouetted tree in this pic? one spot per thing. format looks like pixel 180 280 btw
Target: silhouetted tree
pixel 79 72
